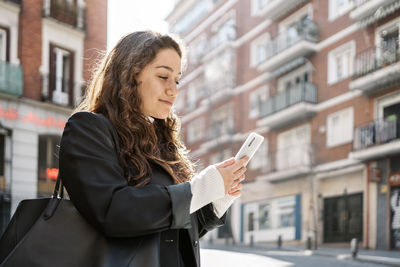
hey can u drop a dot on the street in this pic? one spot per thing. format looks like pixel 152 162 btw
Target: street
pixel 213 258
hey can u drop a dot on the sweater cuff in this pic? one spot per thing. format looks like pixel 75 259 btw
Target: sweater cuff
pixel 222 205
pixel 206 187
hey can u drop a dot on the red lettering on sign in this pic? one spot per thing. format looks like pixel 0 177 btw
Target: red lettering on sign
pixel 31 117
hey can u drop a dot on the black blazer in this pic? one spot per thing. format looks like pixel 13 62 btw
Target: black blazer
pixel 94 179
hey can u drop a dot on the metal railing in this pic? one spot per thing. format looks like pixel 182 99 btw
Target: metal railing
pixel 68 12
pixel 376 133
pixel 11 80
pixel 305 30
pixel 358 3
pixel 375 58
pixel 303 92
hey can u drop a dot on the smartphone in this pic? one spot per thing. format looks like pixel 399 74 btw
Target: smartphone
pixel 250 146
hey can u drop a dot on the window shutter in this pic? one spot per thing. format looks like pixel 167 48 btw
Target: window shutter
pixel 71 79
pixel 52 73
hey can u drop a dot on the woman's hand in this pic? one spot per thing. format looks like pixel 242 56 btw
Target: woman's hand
pixel 232 172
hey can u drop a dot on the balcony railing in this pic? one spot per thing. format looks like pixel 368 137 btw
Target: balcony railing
pixel 367 12
pixel 375 58
pixel 303 92
pixel 18 2
pixel 67 12
pixel 11 80
pixel 306 30
pixel 376 133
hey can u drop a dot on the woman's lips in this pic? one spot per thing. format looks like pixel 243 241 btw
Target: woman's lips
pixel 166 102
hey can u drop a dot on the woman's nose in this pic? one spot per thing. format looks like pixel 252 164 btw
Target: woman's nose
pixel 172 89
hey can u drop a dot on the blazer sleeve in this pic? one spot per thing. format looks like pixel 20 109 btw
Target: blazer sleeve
pixel 94 179
pixel 208 220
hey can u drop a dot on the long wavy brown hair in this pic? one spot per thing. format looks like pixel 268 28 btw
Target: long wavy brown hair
pixel 113 92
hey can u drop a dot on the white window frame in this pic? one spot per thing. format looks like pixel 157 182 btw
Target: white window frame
pixel 263 93
pixel 348 47
pixel 347 134
pixel 296 16
pixel 386 27
pixel 383 102
pixel 195 130
pixel 263 40
pixel 256 9
pixel 260 158
pixel 59 96
pixel 334 11
pixel 291 76
pixel 3 52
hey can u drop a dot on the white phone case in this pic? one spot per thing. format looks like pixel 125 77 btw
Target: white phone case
pixel 250 146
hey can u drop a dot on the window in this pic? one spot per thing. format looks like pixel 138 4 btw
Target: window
pixel 220 156
pixel 340 62
pixel 225 31
pixel 285 211
pixel 194 92
pixel 195 130
pixel 180 101
pixel 258 50
pixel 260 158
pixel 294 148
pixel 4 45
pixel 197 49
pixel 257 6
pixel 220 72
pixel 222 121
pixel 340 127
pixel 257 100
pixel 264 219
pixel 338 8
pixel 48 157
pixel 61 76
pixel 299 76
pixel 193 16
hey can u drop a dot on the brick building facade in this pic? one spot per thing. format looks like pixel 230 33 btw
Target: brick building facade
pixel 45 50
pixel 319 80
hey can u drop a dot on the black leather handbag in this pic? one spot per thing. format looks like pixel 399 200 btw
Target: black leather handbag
pixel 51 232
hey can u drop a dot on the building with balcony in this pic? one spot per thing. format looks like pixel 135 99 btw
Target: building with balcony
pixel 44 46
pixel 319 80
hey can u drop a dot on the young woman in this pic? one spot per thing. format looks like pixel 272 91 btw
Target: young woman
pixel 125 168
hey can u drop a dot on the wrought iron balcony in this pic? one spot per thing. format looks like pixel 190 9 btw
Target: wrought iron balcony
pixel 298 41
pixel 275 9
pixel 291 105
pixel 376 133
pixel 18 2
pixel 11 80
pixel 67 12
pixel 377 139
pixel 376 67
pixel 367 12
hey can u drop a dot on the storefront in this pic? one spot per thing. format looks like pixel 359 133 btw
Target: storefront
pixel 29 134
pixel 270 219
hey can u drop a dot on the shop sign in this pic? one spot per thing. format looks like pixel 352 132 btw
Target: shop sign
pixel 375 175
pixel 52 173
pixel 394 179
pixel 31 118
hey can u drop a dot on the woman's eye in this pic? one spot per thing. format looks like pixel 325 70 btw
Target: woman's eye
pixel 163 77
pixel 177 82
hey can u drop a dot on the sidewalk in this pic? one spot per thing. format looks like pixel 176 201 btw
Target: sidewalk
pixel 389 258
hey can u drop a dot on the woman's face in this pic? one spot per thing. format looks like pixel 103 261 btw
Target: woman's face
pixel 157 83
